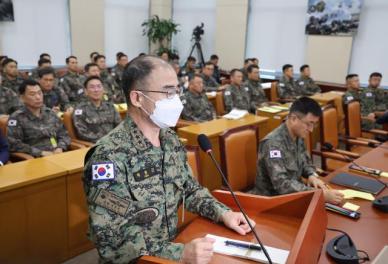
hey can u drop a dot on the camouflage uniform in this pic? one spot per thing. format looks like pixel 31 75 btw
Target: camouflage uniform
pixel 9 101
pixel 12 84
pixel 92 123
pixel 350 95
pixel 117 73
pixel 282 163
pixel 30 134
pixel 245 74
pixel 56 97
pixel 256 93
pixel 73 85
pixel 34 75
pixel 307 86
pixel 288 88
pixel 113 91
pixel 210 84
pixel 370 99
pixel 196 107
pixel 235 97
pixel 186 72
pixel 133 208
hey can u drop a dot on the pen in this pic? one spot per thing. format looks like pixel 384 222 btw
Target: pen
pixel 242 245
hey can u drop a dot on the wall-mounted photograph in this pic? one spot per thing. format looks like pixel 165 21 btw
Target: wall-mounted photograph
pixel 6 10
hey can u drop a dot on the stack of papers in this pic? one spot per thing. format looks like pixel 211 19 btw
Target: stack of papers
pixel 278 256
pixel 211 94
pixel 350 194
pixel 121 107
pixel 236 114
pixel 270 109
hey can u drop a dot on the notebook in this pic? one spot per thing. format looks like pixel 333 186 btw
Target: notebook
pixel 358 183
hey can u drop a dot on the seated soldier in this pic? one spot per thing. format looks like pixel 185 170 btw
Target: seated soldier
pixel 114 92
pixel 118 69
pixel 189 67
pixel 4 154
pixel 9 101
pixel 35 129
pixel 53 96
pixel 247 63
pixel 216 74
pixel 287 88
pixel 93 118
pixel 72 81
pixel 256 92
pixel 353 89
pixel 10 76
pixel 283 160
pixel 306 83
pixel 208 80
pixel 42 63
pixel 196 106
pixel 235 95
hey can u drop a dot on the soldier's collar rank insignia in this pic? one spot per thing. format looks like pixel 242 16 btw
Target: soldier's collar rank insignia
pixel 275 154
pixel 103 171
pixel 12 122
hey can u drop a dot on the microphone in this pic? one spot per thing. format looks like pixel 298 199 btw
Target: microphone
pixel 205 145
pixel 329 147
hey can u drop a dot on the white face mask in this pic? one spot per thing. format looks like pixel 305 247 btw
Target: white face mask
pixel 166 112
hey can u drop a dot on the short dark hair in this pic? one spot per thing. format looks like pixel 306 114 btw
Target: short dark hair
pixel 118 54
pixel 208 63
pixel 93 53
pixel 137 71
pixel 350 76
pixel 8 60
pixel 193 76
pixel 99 56
pixel 118 57
pixel 41 56
pixel 375 74
pixel 174 56
pixel 25 83
pixel 247 60
pixel 191 58
pixel 251 67
pixel 43 61
pixel 90 78
pixel 233 71
pixel 286 66
pixel 45 71
pixel 214 57
pixel 141 54
pixel 305 105
pixel 3 57
pixel 70 57
pixel 304 66
pixel 89 65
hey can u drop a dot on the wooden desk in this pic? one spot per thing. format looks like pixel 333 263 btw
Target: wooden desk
pixel 274 119
pixel 370 232
pixel 33 218
pixel 213 129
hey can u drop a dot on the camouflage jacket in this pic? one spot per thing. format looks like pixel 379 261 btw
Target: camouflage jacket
pixel 56 97
pixel 307 86
pixel 30 134
pixel 92 123
pixel 288 88
pixel 12 84
pixel 117 73
pixel 196 107
pixel 350 95
pixel 256 93
pixel 281 164
pixel 9 101
pixel 134 190
pixel 235 97
pixel 113 91
pixel 72 84
pixel 210 84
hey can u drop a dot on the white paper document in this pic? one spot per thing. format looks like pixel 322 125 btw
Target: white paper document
pixel 236 114
pixel 278 256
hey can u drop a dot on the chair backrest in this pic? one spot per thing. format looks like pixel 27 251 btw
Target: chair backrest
pixel 353 119
pixel 220 107
pixel 4 124
pixel 274 92
pixel 238 148
pixel 329 126
pixel 68 122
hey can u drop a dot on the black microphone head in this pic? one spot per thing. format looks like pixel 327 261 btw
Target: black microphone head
pixel 204 143
pixel 327 146
pixel 372 145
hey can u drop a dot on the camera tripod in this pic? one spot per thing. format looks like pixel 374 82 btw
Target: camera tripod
pixel 197 45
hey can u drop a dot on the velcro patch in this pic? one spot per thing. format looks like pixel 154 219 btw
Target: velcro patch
pixel 368 94
pixel 349 98
pixel 78 112
pixel 146 173
pixel 246 88
pixel 301 83
pixel 281 84
pixel 146 215
pixel 80 91
pixel 103 171
pixel 61 80
pixel 113 74
pixel 183 101
pixel 12 122
pixel 227 93
pixel 275 154
pixel 111 202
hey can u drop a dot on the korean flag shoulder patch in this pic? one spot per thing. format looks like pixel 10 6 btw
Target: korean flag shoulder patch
pixel 78 112
pixel 12 122
pixel 103 171
pixel 275 154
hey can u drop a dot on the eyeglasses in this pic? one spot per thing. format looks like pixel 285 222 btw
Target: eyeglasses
pixel 308 124
pixel 170 93
pixel 95 86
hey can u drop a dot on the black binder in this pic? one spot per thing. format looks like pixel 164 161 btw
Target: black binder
pixel 358 183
